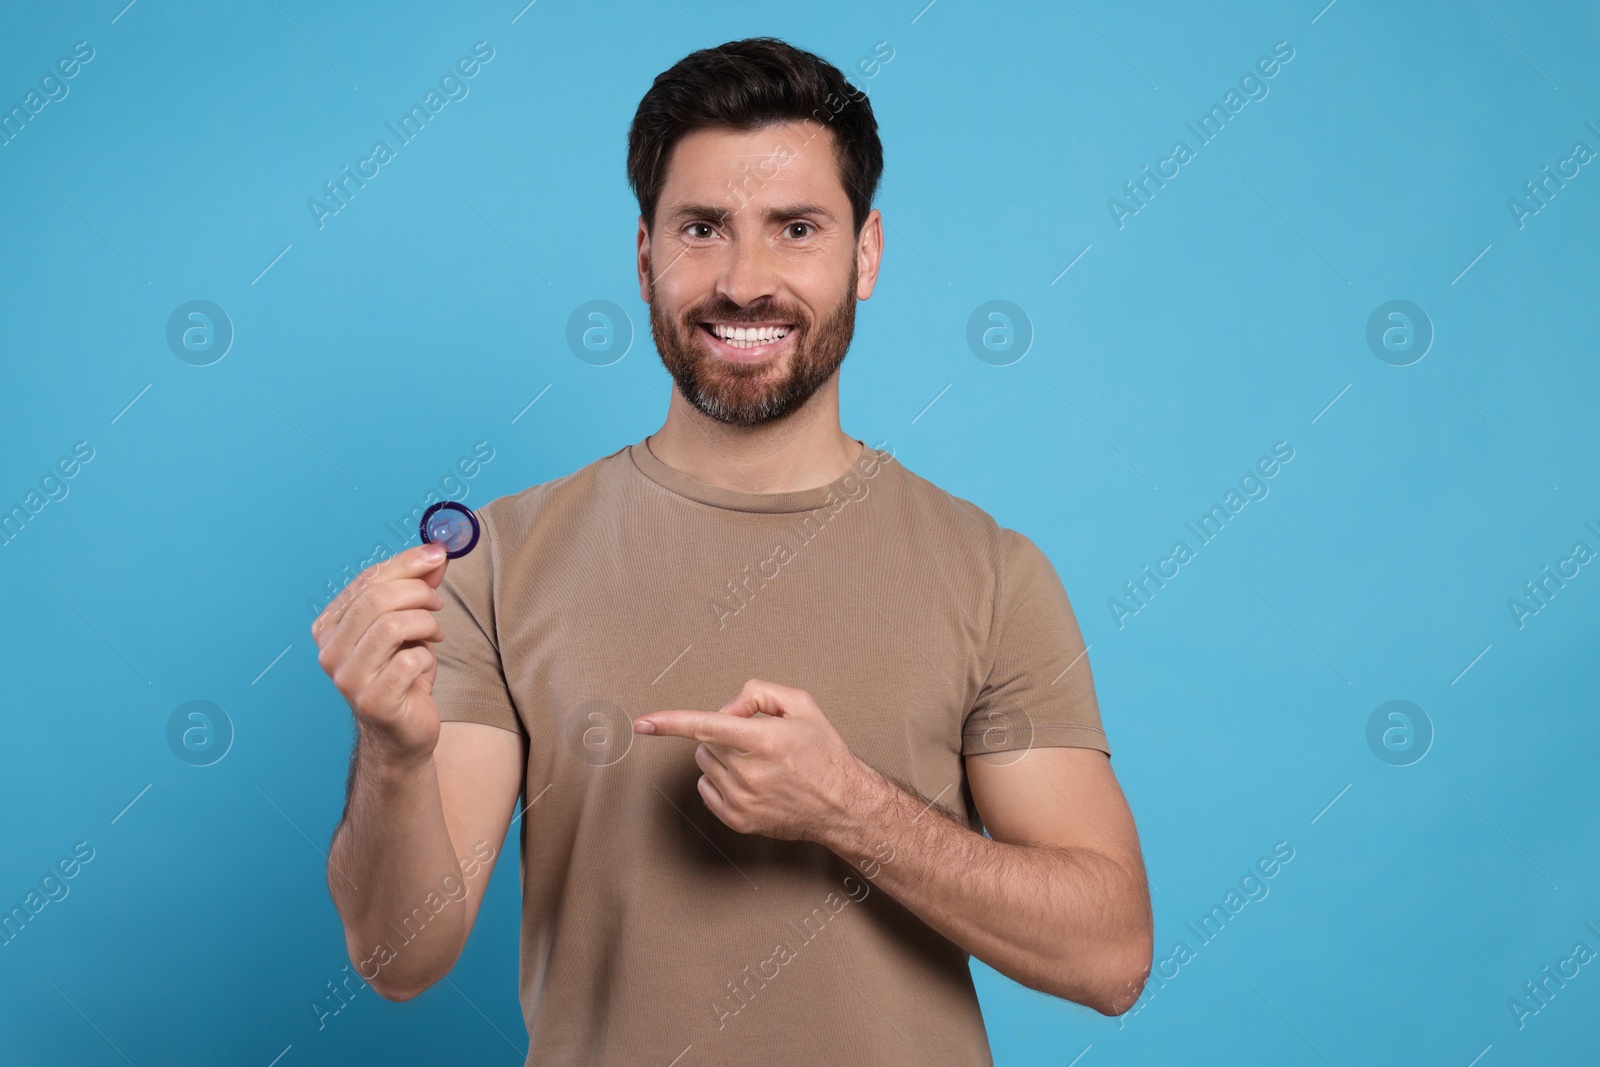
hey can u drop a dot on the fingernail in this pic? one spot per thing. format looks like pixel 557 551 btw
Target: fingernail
pixel 643 726
pixel 432 553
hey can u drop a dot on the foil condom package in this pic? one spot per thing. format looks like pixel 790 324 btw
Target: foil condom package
pixel 451 525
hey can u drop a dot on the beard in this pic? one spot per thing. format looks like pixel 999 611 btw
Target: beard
pixel 749 394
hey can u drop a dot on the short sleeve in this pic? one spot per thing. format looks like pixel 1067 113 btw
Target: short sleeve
pixel 1039 692
pixel 470 683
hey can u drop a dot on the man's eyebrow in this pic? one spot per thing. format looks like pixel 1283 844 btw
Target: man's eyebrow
pixel 684 212
pixel 791 211
pixel 720 214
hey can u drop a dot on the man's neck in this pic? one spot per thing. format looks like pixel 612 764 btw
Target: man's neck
pixel 805 450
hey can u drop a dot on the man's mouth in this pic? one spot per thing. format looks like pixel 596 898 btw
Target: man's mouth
pixel 741 341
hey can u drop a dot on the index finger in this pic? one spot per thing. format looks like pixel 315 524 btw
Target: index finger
pixel 729 731
pixel 414 562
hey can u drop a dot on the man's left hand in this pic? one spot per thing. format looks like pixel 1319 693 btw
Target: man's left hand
pixel 787 774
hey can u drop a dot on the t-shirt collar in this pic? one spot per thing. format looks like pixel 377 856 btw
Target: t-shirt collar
pixel 718 496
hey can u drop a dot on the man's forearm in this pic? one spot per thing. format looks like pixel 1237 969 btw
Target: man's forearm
pixel 1071 922
pixel 390 854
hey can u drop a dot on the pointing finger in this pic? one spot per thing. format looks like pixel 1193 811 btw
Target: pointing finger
pixel 712 727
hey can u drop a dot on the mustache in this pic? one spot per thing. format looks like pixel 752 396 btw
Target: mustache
pixel 734 314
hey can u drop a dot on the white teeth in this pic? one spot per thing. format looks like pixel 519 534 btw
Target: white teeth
pixel 748 337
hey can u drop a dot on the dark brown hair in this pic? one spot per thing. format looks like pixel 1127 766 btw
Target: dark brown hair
pixel 746 85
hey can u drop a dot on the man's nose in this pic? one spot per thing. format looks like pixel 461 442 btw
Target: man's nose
pixel 751 272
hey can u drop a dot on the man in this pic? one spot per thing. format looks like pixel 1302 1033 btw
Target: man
pixel 754 688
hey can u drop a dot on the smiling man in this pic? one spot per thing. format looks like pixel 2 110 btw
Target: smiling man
pixel 792 733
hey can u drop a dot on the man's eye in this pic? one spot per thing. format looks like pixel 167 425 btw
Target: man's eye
pixel 799 225
pixel 694 226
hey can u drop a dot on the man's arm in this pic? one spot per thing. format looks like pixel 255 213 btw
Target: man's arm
pixel 1057 900
pixel 411 858
pixel 428 803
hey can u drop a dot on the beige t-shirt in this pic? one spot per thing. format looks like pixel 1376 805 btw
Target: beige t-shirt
pixel 650 930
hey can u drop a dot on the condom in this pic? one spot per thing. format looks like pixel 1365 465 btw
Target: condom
pixel 452 526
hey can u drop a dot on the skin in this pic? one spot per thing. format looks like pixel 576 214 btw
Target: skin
pixel 1055 897
pixel 423 794
pixel 755 264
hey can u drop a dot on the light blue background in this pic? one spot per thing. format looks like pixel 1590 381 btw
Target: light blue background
pixel 1227 315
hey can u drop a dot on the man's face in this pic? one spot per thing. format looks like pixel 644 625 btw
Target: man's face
pixel 753 269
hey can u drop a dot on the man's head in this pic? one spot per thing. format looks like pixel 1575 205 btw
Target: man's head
pixel 755 164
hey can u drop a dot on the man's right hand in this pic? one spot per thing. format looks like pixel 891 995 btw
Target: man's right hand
pixel 375 641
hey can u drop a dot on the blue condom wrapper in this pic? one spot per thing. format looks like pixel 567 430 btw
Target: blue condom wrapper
pixel 452 526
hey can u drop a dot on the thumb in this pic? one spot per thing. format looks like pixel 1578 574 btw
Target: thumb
pixel 742 706
pixel 757 696
pixel 434 575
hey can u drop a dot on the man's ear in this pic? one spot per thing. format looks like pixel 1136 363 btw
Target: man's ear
pixel 869 254
pixel 643 263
